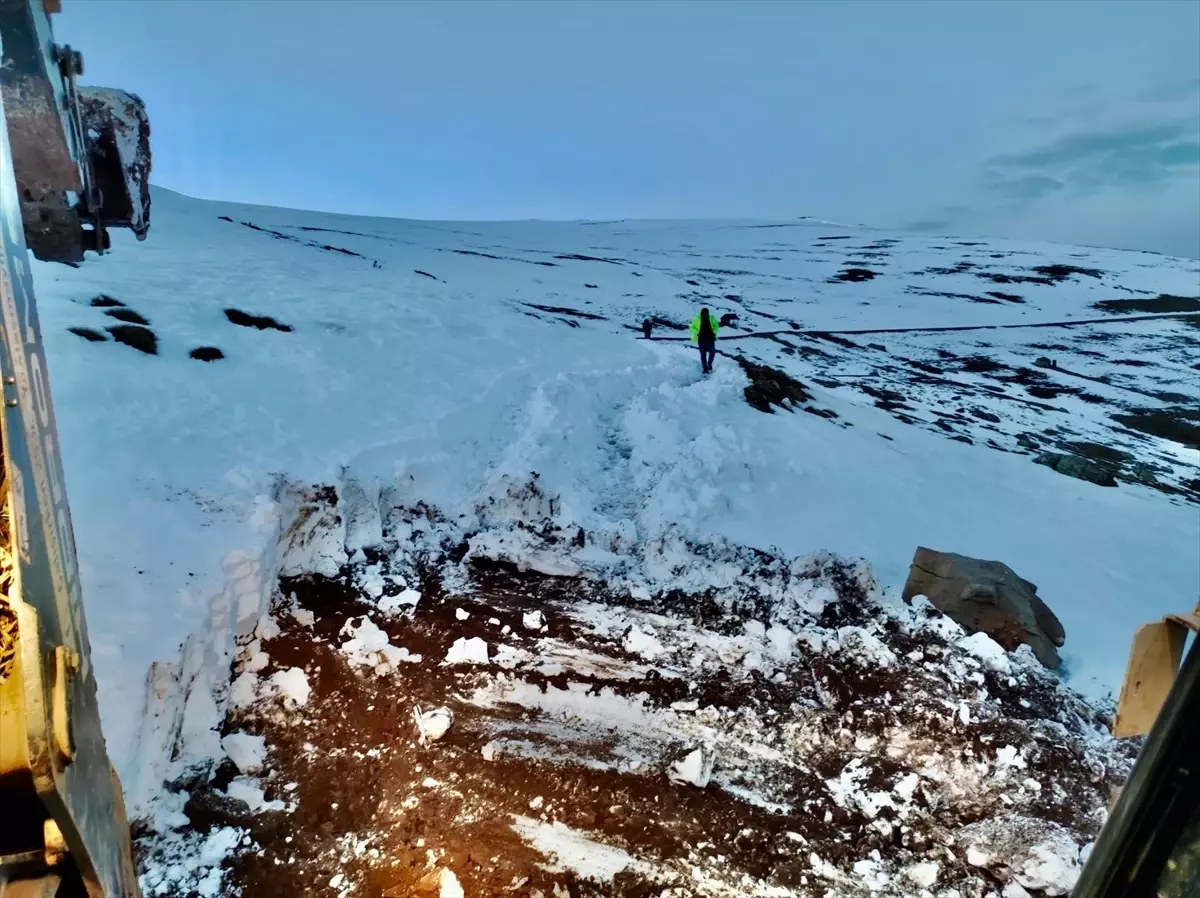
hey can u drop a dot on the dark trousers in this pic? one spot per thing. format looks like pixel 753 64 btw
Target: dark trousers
pixel 708 354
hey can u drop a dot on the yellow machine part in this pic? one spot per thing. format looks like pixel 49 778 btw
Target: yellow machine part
pixel 1153 663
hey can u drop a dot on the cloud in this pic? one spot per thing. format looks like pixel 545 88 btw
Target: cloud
pixel 1088 162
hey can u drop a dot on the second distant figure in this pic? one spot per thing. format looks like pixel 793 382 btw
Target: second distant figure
pixel 704 333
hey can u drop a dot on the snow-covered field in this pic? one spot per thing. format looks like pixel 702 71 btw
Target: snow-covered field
pixel 442 365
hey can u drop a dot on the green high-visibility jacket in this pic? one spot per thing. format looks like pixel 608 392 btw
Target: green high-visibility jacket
pixel 712 321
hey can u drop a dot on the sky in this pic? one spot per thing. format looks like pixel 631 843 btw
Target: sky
pixel 1076 121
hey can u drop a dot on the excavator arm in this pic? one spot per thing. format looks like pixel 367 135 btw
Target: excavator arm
pixel 73 162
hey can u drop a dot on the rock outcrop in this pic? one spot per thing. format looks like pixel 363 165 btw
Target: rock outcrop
pixel 988 597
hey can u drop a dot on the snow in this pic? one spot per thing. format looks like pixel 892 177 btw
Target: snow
pixel 291 685
pixel 987 650
pixel 452 392
pixel 433 724
pixel 467 651
pixel 571 850
pixel 695 768
pixel 247 752
pixel 369 646
pixel 924 875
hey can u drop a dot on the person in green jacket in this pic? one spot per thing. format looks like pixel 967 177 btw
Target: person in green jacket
pixel 704 333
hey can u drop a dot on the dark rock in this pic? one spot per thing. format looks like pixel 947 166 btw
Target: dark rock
pixel 878 346
pixel 262 322
pixel 1044 362
pixel 88 334
pixel 1182 425
pixel 129 316
pixel 104 301
pixel 208 809
pixel 140 338
pixel 771 387
pixel 854 275
pixel 1080 468
pixel 988 597
pixel 1143 473
pixel 206 353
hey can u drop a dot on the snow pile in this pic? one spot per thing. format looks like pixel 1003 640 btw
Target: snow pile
pixel 368 646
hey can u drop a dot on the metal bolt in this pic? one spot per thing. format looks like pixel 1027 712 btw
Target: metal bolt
pixel 11 403
pixel 10 379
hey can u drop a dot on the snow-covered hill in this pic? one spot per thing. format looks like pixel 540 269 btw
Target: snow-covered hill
pixel 435 365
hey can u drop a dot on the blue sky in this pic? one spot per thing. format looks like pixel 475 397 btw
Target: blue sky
pixel 1076 121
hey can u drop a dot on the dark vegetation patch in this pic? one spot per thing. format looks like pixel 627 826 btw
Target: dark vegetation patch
pixel 1050 391
pixel 1181 425
pixel 279 235
pixel 922 366
pixel 577 257
pixel 129 316
pixel 564 310
pixel 1162 303
pixel 727 272
pixel 854 275
pixel 206 353
pixel 771 387
pixel 104 301
pixel 1058 273
pixel 1051 347
pixel 88 334
pixel 922 292
pixel 471 252
pixel 140 338
pixel 1007 297
pixel 981 364
pixel 262 322
pixel 592 286
pixel 836 338
pixel 841 237
pixel 423 273
pixel 1133 363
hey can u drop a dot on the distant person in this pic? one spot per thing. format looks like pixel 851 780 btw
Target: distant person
pixel 704 333
pixel 647 328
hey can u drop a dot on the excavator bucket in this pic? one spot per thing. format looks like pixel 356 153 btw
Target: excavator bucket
pixel 1153 663
pixel 117 132
pixel 81 155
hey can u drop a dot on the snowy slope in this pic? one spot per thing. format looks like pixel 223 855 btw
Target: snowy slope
pixel 439 357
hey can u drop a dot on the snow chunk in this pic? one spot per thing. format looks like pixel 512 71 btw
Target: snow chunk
pixel 461 614
pixel 1039 855
pixel 696 768
pixel 449 886
pixel 923 875
pixel 432 725
pixel 467 651
pixel 368 646
pixel 219 845
pixel 865 646
pixel 986 650
pixel 247 752
pixel 569 849
pixel 292 686
pixel 639 642
pixel 243 692
pixel 392 605
pixel 1009 756
pixel 533 620
pixel 247 789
